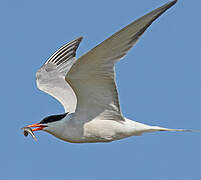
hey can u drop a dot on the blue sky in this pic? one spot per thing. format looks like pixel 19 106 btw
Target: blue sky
pixel 159 83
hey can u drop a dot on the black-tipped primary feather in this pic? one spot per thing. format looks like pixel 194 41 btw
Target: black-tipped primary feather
pixel 65 53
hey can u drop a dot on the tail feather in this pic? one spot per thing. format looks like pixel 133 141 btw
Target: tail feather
pixel 157 128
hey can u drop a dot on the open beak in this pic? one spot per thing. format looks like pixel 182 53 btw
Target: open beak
pixel 37 126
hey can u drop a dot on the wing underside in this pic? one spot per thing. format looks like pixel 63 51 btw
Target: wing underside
pixel 92 76
pixel 50 78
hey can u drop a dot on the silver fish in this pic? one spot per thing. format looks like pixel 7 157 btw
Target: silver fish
pixel 27 131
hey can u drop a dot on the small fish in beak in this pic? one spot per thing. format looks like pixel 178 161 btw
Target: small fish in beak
pixel 27 131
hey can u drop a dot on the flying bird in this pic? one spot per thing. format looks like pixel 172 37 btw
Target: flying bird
pixel 86 88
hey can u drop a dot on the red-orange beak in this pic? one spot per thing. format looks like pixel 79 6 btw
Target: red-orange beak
pixel 37 126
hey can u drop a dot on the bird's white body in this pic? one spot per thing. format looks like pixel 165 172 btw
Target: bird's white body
pixel 87 89
pixel 98 130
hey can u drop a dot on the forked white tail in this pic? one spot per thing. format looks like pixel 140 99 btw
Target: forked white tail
pixel 157 128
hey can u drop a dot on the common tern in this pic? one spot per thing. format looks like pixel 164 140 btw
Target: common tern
pixel 86 88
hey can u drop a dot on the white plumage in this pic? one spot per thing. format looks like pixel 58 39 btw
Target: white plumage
pixel 86 88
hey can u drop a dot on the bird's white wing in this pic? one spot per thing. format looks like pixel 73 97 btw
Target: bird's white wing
pixel 50 78
pixel 92 76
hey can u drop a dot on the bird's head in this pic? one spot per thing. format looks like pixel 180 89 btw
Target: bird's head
pixel 49 124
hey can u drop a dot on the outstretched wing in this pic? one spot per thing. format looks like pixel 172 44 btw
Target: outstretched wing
pixel 50 78
pixel 92 76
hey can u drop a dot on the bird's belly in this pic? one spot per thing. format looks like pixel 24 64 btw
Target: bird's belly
pixel 93 131
pixel 97 131
pixel 104 131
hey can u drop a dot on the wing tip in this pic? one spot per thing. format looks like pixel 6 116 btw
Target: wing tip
pixel 170 4
pixel 58 56
pixel 80 38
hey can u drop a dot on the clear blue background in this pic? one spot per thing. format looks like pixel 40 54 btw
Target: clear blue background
pixel 159 83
